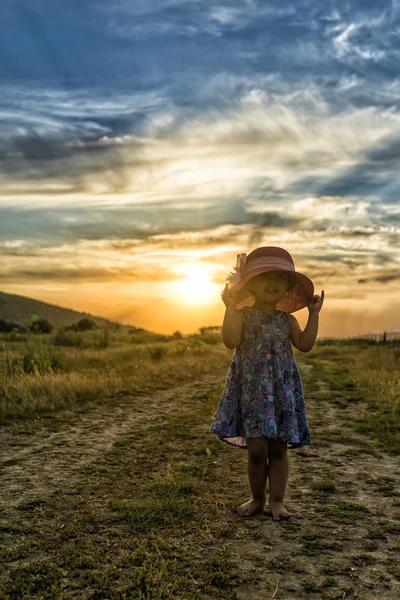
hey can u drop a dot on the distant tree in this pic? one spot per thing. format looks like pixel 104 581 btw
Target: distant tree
pixel 210 329
pixel 9 326
pixel 85 324
pixel 40 325
pixel 177 335
pixel 5 327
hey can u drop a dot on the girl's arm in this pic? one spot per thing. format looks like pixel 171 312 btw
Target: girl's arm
pixel 304 340
pixel 232 327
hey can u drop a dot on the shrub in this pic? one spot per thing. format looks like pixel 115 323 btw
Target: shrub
pixel 41 360
pixel 85 324
pixel 10 327
pixel 158 352
pixel 40 325
pixel 210 329
pixel 67 338
pixel 211 338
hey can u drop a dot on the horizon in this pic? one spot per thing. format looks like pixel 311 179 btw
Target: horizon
pixel 127 324
pixel 144 146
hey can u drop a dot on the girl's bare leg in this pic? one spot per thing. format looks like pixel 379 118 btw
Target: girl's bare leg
pixel 278 471
pixel 258 472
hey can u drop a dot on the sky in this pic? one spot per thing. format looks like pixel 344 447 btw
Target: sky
pixel 145 143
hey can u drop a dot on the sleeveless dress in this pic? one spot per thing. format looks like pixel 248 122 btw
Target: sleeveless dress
pixel 263 393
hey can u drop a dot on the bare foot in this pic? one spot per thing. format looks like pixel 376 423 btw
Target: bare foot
pixel 278 511
pixel 250 508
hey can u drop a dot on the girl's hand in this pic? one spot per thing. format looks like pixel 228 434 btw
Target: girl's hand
pixel 315 305
pixel 229 297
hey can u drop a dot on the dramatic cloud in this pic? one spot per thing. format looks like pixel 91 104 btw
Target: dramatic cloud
pixel 140 139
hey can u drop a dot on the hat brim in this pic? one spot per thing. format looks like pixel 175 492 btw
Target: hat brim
pixel 295 299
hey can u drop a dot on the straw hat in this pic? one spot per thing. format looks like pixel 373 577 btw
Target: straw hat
pixel 271 258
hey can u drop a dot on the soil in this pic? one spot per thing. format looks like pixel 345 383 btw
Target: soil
pixel 39 464
pixel 342 540
pixel 327 550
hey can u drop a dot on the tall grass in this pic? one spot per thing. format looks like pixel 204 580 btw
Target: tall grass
pixel 39 375
pixel 370 366
pixel 369 371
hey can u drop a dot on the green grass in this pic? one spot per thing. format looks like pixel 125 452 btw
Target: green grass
pixel 327 486
pixel 152 513
pixel 38 378
pixel 148 519
pixel 360 371
pixel 31 504
pixel 316 547
pixel 384 485
pixel 143 522
pixel 344 512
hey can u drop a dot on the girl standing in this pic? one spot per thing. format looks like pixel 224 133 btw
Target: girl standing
pixel 262 406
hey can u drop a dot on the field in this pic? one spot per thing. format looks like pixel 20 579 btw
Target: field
pixel 112 486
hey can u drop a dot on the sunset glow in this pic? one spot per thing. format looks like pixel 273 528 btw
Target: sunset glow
pixel 196 288
pixel 130 180
pixel 195 291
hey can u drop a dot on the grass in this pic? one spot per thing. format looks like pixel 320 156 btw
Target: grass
pixel 37 377
pixel 343 512
pixel 149 518
pixel 152 534
pixel 316 547
pixel 31 504
pixel 327 486
pixel 384 485
pixel 361 371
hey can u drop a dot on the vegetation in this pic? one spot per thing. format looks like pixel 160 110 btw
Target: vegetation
pixel 363 370
pixel 82 363
pixel 9 326
pixel 82 366
pixel 152 516
pixel 40 325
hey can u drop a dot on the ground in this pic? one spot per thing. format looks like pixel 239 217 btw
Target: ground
pixel 69 488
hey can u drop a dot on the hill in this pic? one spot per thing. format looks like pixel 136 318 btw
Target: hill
pixel 21 310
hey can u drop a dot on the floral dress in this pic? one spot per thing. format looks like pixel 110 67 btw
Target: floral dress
pixel 263 392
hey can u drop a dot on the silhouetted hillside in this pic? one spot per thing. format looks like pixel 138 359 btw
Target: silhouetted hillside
pixel 21 310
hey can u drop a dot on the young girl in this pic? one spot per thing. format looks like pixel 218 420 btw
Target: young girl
pixel 262 406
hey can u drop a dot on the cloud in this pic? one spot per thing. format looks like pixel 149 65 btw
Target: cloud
pixel 335 257
pixel 346 43
pixel 147 135
pixel 288 139
pixel 376 170
pixel 188 18
pixel 87 275
pixel 381 278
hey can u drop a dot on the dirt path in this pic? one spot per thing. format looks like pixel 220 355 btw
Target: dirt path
pixel 342 541
pixel 37 465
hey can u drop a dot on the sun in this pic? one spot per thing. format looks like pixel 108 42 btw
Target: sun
pixel 196 288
